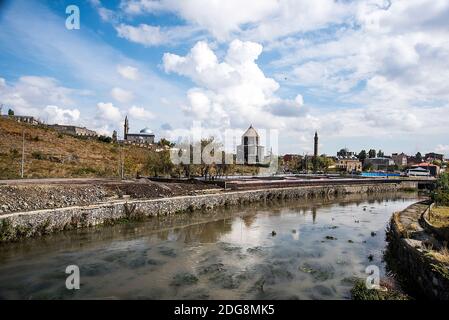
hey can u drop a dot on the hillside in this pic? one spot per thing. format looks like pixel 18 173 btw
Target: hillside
pixel 50 154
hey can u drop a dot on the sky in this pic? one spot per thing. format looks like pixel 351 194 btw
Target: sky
pixel 364 74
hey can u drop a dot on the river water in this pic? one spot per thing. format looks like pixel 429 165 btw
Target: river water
pixel 317 248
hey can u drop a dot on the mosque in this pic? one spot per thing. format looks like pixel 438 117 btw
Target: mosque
pixel 145 136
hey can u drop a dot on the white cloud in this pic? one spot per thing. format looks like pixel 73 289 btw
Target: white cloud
pixel 122 95
pixel 56 115
pixel 30 95
pixel 128 72
pixel 109 113
pixel 218 17
pixel 234 92
pixel 149 35
pixel 140 113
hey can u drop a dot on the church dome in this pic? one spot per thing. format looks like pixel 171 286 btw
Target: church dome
pixel 251 132
pixel 146 131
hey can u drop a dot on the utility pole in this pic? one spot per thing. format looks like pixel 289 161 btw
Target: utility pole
pixel 23 153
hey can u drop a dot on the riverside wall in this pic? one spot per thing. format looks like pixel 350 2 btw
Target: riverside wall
pixel 18 225
pixel 410 246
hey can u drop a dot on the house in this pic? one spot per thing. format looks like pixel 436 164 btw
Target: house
pixel 400 159
pixel 379 163
pixel 349 165
pixel 432 156
pixel 433 169
pixel 250 151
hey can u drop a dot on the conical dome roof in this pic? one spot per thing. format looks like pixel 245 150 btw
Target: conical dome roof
pixel 251 132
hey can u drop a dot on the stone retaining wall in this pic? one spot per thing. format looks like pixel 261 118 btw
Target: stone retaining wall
pixel 34 223
pixel 441 233
pixel 409 250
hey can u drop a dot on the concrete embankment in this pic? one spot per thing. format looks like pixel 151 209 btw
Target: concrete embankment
pixel 414 252
pixel 19 225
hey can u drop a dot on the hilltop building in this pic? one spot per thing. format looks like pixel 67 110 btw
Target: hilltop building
pixel 250 151
pixel 145 136
pixel 73 130
pixel 23 119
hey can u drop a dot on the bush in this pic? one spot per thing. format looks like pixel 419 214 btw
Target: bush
pixel 105 139
pixel 441 194
pixel 38 155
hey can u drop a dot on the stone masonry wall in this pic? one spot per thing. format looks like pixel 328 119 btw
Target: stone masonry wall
pixel 423 272
pixel 34 223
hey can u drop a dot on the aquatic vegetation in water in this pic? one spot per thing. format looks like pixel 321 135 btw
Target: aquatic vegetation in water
pixel 184 279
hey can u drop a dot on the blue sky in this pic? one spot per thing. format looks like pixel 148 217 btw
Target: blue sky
pixel 364 74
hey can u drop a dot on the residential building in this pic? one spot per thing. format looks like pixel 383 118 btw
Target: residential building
pixel 379 163
pixel 432 156
pixel 433 169
pixel 349 165
pixel 400 159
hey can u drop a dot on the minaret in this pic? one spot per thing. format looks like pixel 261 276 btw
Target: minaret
pixel 126 128
pixel 315 153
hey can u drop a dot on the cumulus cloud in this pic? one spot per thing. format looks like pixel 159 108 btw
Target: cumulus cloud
pixel 140 113
pixel 122 95
pixel 128 72
pixel 109 113
pixel 30 95
pixel 56 115
pixel 233 92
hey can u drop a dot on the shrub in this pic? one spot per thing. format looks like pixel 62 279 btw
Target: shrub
pixel 441 194
pixel 105 139
pixel 38 155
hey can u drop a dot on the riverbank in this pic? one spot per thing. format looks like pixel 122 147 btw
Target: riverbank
pixel 417 253
pixel 17 225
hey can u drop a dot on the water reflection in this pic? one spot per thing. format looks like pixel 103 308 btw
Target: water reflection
pixel 319 246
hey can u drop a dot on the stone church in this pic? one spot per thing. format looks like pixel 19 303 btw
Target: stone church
pixel 250 151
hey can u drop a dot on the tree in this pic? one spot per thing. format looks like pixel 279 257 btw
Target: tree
pixel 418 157
pixel 372 153
pixel 164 142
pixel 10 112
pixel 441 194
pixel 343 153
pixel 380 154
pixel 159 163
pixel 362 156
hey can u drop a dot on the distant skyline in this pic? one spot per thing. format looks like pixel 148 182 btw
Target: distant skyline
pixel 364 74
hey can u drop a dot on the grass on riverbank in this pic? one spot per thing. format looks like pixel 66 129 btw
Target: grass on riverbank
pixel 440 217
pixel 361 292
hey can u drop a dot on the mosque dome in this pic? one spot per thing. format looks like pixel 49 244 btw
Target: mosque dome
pixel 146 131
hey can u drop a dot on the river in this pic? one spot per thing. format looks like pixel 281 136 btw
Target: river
pixel 302 249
